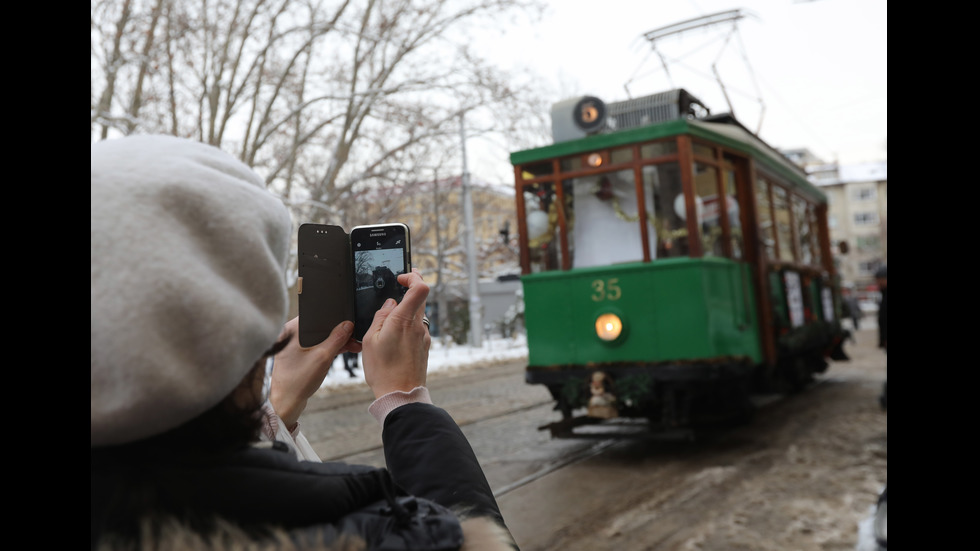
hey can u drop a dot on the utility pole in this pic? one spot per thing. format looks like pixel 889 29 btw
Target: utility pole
pixel 476 321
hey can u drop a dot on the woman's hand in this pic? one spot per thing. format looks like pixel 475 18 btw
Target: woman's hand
pixel 396 346
pixel 298 372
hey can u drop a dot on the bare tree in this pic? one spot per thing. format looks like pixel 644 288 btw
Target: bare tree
pixel 329 100
pixel 322 97
pixel 107 57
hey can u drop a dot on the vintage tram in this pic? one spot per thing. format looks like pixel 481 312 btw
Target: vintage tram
pixel 673 265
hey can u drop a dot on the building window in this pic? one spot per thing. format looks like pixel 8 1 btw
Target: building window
pixel 865 218
pixel 869 268
pixel 863 193
pixel 867 243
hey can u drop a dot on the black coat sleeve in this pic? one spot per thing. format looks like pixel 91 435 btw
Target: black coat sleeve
pixel 428 456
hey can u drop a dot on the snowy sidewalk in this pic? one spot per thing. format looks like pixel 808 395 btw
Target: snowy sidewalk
pixel 444 357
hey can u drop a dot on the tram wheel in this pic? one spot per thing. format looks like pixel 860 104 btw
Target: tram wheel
pixel 561 403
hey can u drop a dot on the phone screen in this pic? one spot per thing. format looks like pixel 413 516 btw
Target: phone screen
pixel 380 254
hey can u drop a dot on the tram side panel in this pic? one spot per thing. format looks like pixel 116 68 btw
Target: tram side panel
pixel 685 321
pixel 673 309
pixel 806 327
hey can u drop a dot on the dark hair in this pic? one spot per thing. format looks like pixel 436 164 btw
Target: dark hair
pixel 125 484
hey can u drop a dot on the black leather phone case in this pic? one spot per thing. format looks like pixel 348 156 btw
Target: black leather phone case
pixel 325 285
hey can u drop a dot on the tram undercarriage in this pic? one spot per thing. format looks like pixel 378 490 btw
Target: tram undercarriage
pixel 661 399
pixel 676 396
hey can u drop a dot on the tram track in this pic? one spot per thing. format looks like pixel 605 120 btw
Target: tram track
pixel 760 402
pixel 480 421
pixel 591 451
pixel 475 421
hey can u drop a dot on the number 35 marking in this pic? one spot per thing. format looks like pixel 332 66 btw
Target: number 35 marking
pixel 606 290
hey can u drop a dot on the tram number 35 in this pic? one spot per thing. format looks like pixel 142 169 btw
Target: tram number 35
pixel 606 289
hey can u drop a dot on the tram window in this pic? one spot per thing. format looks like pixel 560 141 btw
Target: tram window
pixel 709 213
pixel 781 213
pixel 764 215
pixel 603 219
pixel 534 170
pixel 662 186
pixel 814 238
pixel 658 149
pixel 803 233
pixel 541 208
pixel 569 164
pixel 702 150
pixel 734 219
pixel 621 155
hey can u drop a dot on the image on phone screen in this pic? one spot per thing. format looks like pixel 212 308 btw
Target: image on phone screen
pixel 379 257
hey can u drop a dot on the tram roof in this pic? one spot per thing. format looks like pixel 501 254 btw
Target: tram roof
pixel 723 130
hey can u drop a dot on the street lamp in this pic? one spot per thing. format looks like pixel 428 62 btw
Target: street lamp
pixel 476 321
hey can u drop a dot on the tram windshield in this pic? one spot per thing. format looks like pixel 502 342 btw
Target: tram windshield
pixel 602 214
pixel 663 183
pixel 543 237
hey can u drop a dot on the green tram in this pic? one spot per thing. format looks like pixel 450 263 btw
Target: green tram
pixel 673 265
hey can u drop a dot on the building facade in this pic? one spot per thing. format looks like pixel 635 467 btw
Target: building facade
pixel 434 211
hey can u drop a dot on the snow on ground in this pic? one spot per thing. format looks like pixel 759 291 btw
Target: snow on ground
pixel 866 533
pixel 444 355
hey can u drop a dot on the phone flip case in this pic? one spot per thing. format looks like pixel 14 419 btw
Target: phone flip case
pixel 325 283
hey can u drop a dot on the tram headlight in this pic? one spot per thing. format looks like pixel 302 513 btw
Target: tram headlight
pixel 608 327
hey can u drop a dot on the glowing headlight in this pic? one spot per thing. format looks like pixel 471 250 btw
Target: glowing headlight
pixel 608 327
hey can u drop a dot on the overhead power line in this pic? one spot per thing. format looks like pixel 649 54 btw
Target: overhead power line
pixel 729 16
pixel 695 23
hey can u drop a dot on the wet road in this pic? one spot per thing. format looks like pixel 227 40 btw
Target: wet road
pixel 496 409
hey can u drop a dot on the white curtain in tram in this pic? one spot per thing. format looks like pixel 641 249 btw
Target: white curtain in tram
pixel 603 233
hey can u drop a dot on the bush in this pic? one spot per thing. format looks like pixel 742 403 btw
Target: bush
pixel 459 321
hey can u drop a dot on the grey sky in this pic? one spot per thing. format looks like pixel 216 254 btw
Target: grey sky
pixel 803 73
